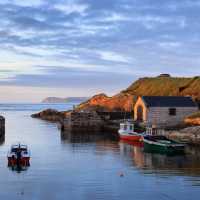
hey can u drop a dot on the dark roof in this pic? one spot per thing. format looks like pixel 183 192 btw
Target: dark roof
pixel 168 101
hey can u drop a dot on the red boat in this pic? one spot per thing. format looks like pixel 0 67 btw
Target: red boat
pixel 127 132
pixel 19 155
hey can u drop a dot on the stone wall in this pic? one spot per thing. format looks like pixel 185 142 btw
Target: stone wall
pixel 160 115
pixel 88 121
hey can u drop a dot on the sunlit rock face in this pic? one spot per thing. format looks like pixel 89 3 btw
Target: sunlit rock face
pixel 148 86
pixel 102 102
pixel 193 119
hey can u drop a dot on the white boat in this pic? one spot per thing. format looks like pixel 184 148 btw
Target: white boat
pixel 127 132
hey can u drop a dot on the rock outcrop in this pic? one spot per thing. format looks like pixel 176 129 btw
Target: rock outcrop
pixel 50 115
pixel 2 129
pixel 190 135
pixel 102 102
pixel 193 119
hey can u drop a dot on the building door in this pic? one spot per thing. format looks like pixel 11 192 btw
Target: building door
pixel 140 113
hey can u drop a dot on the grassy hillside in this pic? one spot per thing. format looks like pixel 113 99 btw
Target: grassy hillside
pixel 153 86
pixel 165 86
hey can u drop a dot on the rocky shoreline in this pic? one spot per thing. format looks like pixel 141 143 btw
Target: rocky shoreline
pixel 84 121
pixel 189 135
pixel 98 122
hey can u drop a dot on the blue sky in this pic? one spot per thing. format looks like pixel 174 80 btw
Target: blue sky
pixel 83 47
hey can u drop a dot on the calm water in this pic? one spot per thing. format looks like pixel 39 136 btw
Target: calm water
pixel 65 166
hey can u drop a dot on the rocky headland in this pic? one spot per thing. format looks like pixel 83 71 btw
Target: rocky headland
pixel 163 85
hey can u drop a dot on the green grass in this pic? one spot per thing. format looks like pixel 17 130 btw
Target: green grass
pixel 194 115
pixel 165 86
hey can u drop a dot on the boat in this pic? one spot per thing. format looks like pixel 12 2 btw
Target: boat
pixel 161 144
pixel 19 155
pixel 127 132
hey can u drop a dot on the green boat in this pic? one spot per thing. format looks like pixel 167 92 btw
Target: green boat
pixel 161 144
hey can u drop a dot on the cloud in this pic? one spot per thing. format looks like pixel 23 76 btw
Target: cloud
pixel 70 78
pixel 136 37
pixel 72 8
pixel 115 57
pixel 34 3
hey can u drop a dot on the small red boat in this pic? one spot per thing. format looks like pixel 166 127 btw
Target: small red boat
pixel 19 155
pixel 127 132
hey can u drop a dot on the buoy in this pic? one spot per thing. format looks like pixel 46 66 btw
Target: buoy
pixel 121 174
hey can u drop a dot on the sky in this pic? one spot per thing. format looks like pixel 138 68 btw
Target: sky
pixel 84 47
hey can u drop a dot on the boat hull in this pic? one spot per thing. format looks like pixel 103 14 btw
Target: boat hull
pixel 133 138
pixel 24 161
pixel 155 147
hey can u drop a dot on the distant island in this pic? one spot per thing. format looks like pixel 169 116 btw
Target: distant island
pixel 64 100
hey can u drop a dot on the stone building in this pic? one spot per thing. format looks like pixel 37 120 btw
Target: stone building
pixel 163 111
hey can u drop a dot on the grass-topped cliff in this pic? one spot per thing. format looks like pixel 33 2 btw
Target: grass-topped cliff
pixel 165 86
pixel 149 86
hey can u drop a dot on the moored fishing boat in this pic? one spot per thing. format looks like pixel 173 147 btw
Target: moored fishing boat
pixel 161 144
pixel 127 132
pixel 19 155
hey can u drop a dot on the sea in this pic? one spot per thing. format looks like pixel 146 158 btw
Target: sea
pixel 85 166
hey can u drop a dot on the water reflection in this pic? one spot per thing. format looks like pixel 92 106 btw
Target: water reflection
pixel 134 155
pixel 69 137
pixel 187 164
pixel 88 166
pixel 18 168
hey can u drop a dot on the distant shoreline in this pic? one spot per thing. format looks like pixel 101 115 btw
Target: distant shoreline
pixel 64 100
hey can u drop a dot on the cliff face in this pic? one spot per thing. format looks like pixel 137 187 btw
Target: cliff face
pixel 156 86
pixel 102 102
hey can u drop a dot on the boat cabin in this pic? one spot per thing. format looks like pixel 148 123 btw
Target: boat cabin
pixel 127 126
pixel 19 147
